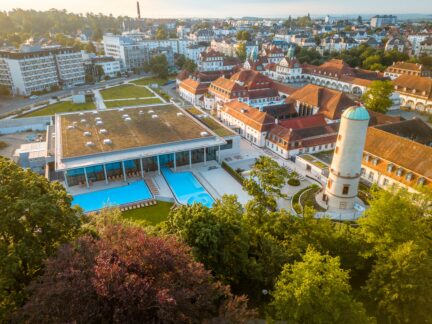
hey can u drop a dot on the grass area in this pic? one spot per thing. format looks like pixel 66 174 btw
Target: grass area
pixel 295 200
pixel 152 215
pixel 60 107
pixel 133 102
pixel 314 161
pixel 126 91
pixel 210 123
pixel 308 199
pixel 148 81
pixel 194 111
pixel 3 145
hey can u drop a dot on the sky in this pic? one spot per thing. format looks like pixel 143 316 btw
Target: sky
pixel 226 8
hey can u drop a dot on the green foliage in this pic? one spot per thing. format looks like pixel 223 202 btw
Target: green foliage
pixel 158 65
pixel 241 51
pixel 294 182
pixel 243 35
pixel 161 32
pixel 316 290
pixel 233 172
pixel 377 97
pixel 266 180
pixel 184 63
pixel 36 218
pixel 217 236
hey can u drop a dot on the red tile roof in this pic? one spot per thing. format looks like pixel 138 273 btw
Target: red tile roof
pixel 252 117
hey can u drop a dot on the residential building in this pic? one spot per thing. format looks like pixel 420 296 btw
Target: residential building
pixel 211 60
pixel 110 66
pixel 39 69
pixel 415 92
pixel 397 43
pixel 399 68
pixel 384 165
pixel 416 40
pixel 194 51
pixel 379 21
pixel 250 123
pixel 426 47
pixel 292 137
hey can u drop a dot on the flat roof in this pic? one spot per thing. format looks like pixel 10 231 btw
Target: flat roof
pixel 142 130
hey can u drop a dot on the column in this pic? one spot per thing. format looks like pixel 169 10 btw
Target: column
pixel 205 156
pixel 124 171
pixel 65 179
pixel 105 173
pixel 158 163
pixel 142 170
pixel 219 157
pixel 190 159
pixel 175 162
pixel 86 178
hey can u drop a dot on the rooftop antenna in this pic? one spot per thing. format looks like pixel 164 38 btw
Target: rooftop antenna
pixel 138 10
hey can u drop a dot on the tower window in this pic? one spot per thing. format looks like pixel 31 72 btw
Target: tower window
pixel 329 183
pixel 337 150
pixel 339 137
pixel 345 190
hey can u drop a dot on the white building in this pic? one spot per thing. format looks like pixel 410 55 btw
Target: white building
pixel 193 52
pixel 133 51
pixel 383 20
pixel 344 174
pixel 110 66
pixel 41 69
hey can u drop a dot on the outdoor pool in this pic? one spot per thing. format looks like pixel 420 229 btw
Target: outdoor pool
pixel 187 189
pixel 129 193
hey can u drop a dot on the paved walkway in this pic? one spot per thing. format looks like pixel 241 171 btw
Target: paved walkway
pixel 100 104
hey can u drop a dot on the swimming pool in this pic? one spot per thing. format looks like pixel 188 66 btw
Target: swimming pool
pixel 129 193
pixel 187 189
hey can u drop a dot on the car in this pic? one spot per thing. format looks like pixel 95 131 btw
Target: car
pixel 33 97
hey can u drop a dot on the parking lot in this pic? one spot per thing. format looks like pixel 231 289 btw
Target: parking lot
pixel 14 141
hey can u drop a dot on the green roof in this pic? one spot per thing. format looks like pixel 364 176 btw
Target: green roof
pixel 356 113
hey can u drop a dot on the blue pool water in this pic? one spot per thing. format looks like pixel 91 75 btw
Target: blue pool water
pixel 96 200
pixel 187 189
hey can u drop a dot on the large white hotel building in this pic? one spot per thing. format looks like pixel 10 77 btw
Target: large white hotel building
pixel 24 72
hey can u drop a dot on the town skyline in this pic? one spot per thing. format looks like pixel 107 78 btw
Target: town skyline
pixel 194 8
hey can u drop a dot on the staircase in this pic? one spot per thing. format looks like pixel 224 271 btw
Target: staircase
pixel 152 186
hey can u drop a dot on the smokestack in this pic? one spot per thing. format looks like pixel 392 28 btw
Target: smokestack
pixel 138 10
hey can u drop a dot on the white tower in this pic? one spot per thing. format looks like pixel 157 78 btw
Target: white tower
pixel 344 174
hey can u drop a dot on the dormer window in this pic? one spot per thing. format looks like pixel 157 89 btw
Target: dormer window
pixel 375 161
pixel 399 172
pixel 409 176
pixel 367 158
pixel 390 167
pixel 421 181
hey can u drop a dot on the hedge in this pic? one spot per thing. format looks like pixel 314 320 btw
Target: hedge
pixel 294 182
pixel 233 172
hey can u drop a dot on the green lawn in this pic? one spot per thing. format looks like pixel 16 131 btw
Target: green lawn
pixel 60 107
pixel 134 102
pixel 148 81
pixel 126 91
pixel 216 127
pixel 152 215
pixel 194 111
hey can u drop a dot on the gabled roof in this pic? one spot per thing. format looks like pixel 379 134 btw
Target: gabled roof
pixel 387 146
pixel 413 129
pixel 331 103
pixel 193 86
pixel 252 117
pixel 408 83
pixel 304 122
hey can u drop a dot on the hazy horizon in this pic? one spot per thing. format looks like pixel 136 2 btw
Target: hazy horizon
pixel 225 8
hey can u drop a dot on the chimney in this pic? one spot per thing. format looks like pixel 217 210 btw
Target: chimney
pixel 138 10
pixel 276 121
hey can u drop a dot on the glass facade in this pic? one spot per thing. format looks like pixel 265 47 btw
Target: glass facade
pixel 114 170
pixel 75 177
pixel 95 173
pixel 132 167
pixel 212 153
pixel 182 158
pixel 167 160
pixel 198 156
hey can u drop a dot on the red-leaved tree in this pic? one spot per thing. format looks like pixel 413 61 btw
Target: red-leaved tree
pixel 130 277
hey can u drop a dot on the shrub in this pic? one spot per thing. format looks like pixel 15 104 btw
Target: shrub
pixel 233 172
pixel 294 182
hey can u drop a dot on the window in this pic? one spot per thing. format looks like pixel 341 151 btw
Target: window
pixel 345 190
pixel 227 146
pixel 337 150
pixel 339 137
pixel 329 183
pixel 385 182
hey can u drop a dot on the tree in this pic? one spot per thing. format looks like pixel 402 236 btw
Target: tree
pixel 126 275
pixel 158 65
pixel 90 48
pixel 243 35
pixel 217 236
pixel 266 181
pixel 161 32
pixel 316 290
pixel 377 97
pixel 97 34
pixel 401 284
pixel 184 63
pixel 241 51
pixel 36 218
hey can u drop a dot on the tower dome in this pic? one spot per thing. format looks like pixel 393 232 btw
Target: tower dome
pixel 356 113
